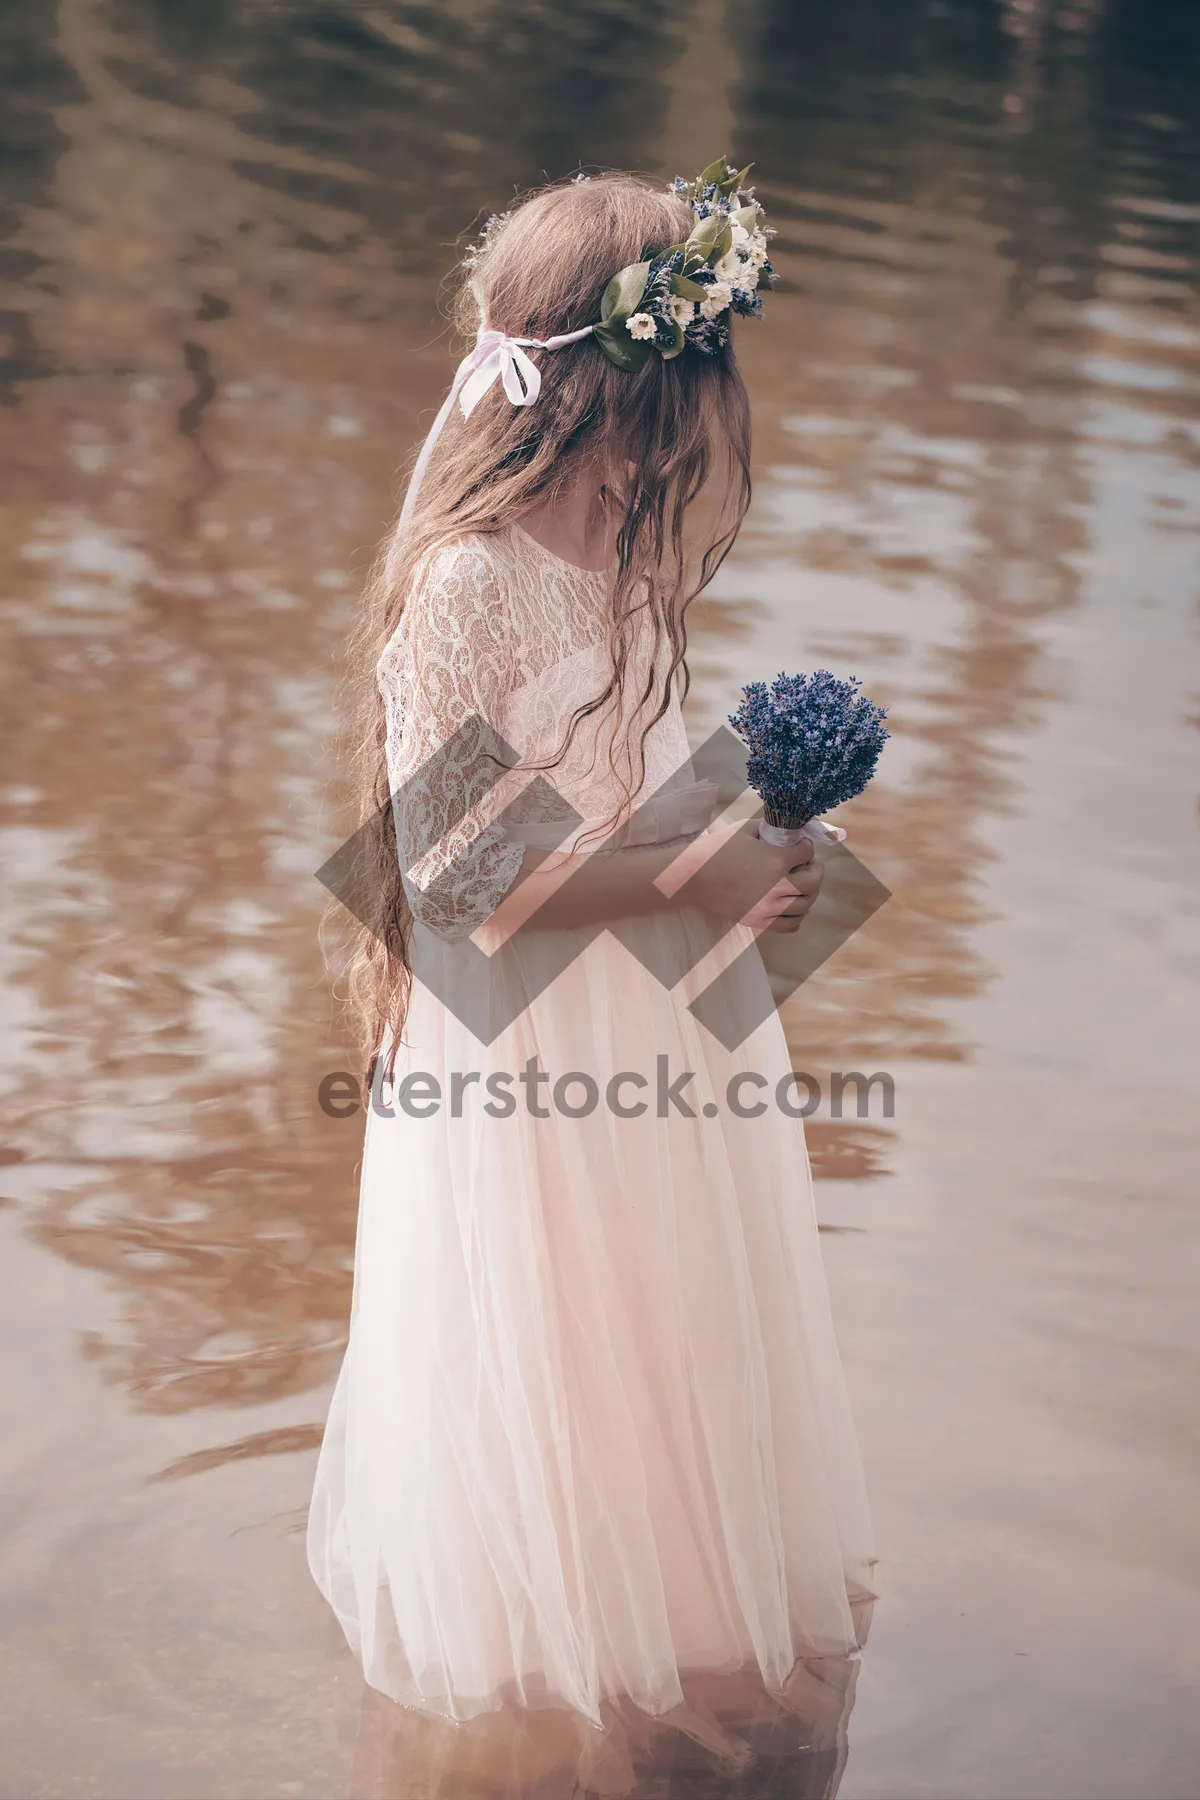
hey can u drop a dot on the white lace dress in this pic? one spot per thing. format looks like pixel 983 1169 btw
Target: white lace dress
pixel 591 1435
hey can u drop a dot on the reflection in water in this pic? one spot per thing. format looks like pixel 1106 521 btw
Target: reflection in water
pixel 729 1741
pixel 225 224
pixel 259 1443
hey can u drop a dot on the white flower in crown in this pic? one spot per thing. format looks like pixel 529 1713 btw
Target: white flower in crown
pixel 717 298
pixel 640 325
pixel 682 311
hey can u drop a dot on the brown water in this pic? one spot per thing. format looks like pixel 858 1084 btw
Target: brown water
pixel 978 476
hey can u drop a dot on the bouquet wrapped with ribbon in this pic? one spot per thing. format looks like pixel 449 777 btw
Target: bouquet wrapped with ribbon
pixel 814 741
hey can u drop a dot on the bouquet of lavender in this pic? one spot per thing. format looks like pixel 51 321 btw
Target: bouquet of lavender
pixel 814 742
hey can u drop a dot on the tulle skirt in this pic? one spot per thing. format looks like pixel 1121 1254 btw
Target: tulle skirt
pixel 591 1443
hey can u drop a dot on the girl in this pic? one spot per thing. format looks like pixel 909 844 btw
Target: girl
pixel 590 1451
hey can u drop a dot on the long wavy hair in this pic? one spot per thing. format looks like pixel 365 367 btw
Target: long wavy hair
pixel 649 442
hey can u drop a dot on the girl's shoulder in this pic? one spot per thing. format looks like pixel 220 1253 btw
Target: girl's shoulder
pixel 509 557
pixel 476 559
pixel 459 598
pixel 482 570
pixel 498 596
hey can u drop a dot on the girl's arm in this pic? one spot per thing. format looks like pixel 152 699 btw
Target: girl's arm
pixel 742 880
pixel 443 677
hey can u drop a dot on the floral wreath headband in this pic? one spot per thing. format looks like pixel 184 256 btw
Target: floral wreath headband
pixel 680 298
pixel 685 295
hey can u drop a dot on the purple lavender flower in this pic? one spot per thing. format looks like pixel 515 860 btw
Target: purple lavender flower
pixel 814 741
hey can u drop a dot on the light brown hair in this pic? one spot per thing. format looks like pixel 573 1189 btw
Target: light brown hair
pixel 651 440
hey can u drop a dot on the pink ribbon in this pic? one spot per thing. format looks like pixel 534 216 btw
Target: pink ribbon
pixel 495 357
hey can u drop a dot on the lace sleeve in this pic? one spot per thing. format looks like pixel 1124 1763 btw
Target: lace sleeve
pixel 443 677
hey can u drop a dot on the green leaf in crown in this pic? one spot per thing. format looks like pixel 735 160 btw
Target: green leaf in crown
pixel 621 301
pixel 712 237
pixel 721 176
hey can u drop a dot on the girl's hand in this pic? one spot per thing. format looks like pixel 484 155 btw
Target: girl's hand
pixel 759 886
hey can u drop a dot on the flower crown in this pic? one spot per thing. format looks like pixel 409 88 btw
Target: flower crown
pixel 685 295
